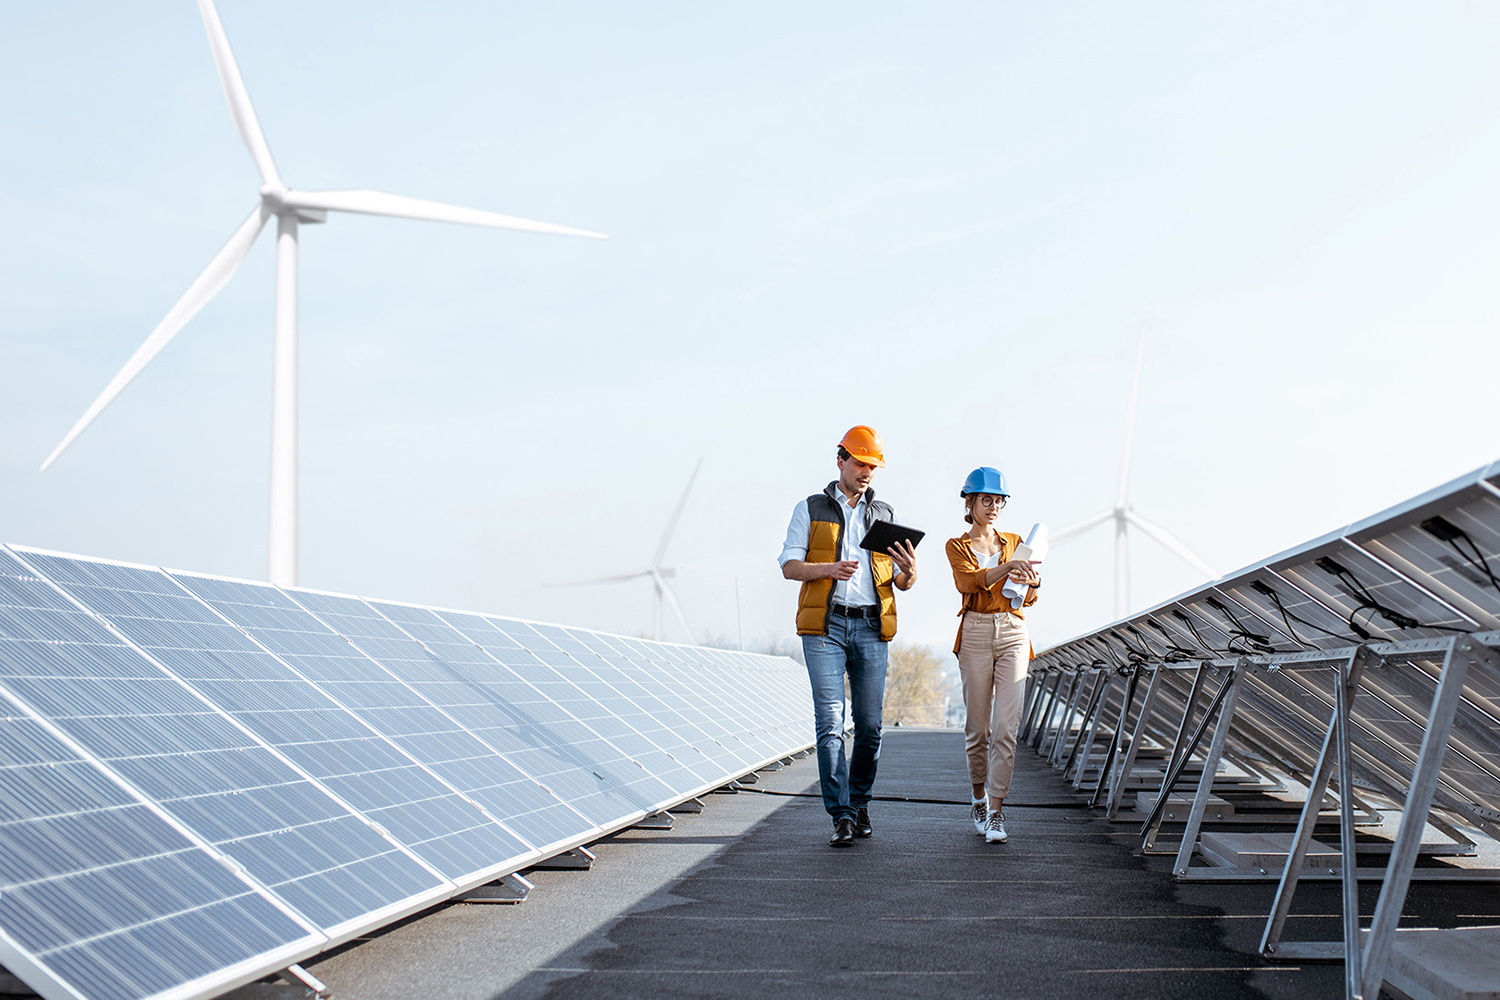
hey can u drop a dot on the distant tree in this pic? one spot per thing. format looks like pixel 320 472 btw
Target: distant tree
pixel 915 688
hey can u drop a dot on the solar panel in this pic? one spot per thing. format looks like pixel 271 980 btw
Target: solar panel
pixel 500 832
pixel 541 693
pixel 203 780
pixel 317 735
pixel 208 773
pixel 487 698
pixel 1406 602
pixel 100 895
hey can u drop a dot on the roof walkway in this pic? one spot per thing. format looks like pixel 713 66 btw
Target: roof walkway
pixel 747 900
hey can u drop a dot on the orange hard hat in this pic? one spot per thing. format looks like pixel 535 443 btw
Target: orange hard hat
pixel 864 444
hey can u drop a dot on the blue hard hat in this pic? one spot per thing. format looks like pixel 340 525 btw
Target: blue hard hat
pixel 985 480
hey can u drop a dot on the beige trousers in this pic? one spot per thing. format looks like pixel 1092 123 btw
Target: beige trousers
pixel 992 657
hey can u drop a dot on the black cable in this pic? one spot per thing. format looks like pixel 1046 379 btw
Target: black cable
pixel 1175 653
pixel 1258 643
pixel 1138 657
pixel 1368 601
pixel 1194 629
pixel 1288 618
pixel 1445 530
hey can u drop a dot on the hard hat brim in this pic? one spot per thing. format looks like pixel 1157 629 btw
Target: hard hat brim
pixel 867 458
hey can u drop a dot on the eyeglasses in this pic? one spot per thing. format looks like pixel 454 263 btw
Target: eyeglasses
pixel 990 500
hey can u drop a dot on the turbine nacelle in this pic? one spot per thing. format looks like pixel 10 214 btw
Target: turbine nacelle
pixel 281 201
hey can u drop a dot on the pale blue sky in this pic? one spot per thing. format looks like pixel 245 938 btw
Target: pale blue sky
pixel 948 221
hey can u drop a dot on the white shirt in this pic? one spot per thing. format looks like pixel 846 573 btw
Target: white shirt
pixel 858 590
pixel 990 561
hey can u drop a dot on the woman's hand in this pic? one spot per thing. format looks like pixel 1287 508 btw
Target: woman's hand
pixel 1020 571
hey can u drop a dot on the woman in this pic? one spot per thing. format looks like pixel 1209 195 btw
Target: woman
pixel 993 647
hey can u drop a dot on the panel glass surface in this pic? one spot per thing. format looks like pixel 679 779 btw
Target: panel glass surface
pixel 672 757
pixel 318 736
pixel 604 710
pixel 498 707
pixel 458 833
pixel 375 674
pixel 542 697
pixel 754 717
pixel 182 754
pixel 216 778
pixel 680 700
pixel 102 892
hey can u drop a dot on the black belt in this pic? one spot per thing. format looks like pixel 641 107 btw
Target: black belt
pixel 855 610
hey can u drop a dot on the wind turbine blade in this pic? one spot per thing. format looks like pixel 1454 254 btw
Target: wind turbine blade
pixel 1125 443
pixel 238 97
pixel 1074 530
pixel 213 278
pixel 665 591
pixel 402 207
pixel 666 537
pixel 1171 544
pixel 602 579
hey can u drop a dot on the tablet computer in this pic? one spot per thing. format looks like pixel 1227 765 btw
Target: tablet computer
pixel 883 534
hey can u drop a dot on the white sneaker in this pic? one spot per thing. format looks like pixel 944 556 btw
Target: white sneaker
pixel 994 828
pixel 979 814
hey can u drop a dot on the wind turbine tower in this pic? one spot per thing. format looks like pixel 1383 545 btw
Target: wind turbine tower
pixel 291 209
pixel 1125 516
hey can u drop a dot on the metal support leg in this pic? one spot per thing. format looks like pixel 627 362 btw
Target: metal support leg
pixel 1122 778
pixel 1210 765
pixel 1049 700
pixel 1035 685
pixel 1065 727
pixel 1418 801
pixel 578 859
pixel 1088 723
pixel 510 889
pixel 1107 680
pixel 1113 755
pixel 1335 750
pixel 1179 762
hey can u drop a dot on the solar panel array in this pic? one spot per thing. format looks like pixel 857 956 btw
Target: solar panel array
pixel 1367 653
pixel 204 780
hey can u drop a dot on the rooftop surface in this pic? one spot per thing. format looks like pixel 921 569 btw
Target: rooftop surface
pixel 747 899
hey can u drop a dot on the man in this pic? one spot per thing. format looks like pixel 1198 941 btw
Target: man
pixel 846 614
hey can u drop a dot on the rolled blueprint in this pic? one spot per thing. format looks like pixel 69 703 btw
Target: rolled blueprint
pixel 1034 550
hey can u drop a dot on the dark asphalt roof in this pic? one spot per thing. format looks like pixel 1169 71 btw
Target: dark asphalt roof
pixel 747 900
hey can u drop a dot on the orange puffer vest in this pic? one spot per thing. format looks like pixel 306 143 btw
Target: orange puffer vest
pixel 823 533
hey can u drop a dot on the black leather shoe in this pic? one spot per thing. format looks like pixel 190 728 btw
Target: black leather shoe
pixel 843 833
pixel 862 827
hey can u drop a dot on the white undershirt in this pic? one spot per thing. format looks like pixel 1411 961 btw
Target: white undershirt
pixel 990 561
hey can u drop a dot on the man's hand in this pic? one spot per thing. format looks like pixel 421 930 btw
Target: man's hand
pixel 800 569
pixel 844 569
pixel 905 556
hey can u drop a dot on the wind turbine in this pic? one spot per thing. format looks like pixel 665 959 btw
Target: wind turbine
pixel 291 208
pixel 658 573
pixel 1125 516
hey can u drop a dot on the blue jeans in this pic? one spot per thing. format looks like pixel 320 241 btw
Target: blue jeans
pixel 852 646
